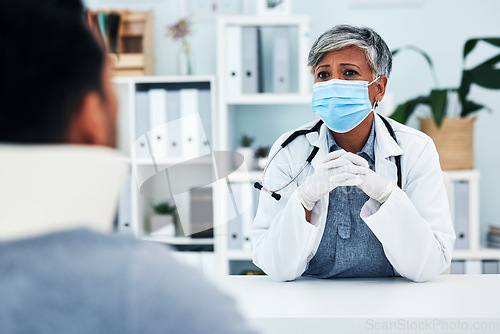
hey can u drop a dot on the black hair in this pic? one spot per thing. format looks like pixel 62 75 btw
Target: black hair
pixel 49 62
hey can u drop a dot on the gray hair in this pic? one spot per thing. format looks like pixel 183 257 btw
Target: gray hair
pixel 378 55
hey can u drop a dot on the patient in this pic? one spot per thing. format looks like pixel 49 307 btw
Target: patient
pixel 60 272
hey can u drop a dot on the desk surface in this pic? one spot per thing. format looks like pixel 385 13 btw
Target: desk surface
pixel 365 305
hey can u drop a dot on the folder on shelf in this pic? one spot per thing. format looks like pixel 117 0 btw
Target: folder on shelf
pixel 247 215
pixel 281 60
pixel 234 226
pixel 461 213
pixel 174 135
pixel 201 213
pixel 234 59
pixel 250 60
pixel 141 123
pixel 124 219
pixel 205 110
pixel 234 234
pixel 158 123
pixel 491 267
pixel 473 267
pixel 243 199
pixel 194 140
pixel 457 267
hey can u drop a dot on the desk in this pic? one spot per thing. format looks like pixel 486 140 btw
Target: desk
pixel 446 304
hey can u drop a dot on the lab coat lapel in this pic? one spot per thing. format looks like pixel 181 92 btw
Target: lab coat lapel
pixel 319 140
pixel 385 151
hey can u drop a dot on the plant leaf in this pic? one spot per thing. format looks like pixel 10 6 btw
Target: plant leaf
pixel 488 64
pixel 464 88
pixel 487 78
pixel 438 98
pixel 404 110
pixel 470 107
pixel 471 44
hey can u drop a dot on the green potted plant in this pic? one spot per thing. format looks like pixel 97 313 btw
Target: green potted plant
pixel 162 221
pixel 247 151
pixel 261 156
pixel 453 136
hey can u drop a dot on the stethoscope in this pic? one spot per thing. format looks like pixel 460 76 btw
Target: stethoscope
pixel 274 192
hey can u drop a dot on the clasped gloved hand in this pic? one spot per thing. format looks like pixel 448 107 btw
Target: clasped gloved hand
pixel 333 172
pixel 341 168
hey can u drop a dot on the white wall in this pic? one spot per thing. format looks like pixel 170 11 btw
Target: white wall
pixel 440 27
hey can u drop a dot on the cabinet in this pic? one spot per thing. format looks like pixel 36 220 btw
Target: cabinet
pixel 155 113
pixel 470 256
pixel 130 35
pixel 261 62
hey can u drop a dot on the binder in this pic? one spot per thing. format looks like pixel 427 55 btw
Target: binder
pixel 461 213
pixel 194 140
pixel 124 221
pixel 281 60
pixel 491 267
pixel 174 136
pixel 250 56
pixel 473 267
pixel 205 107
pixel 234 225
pixel 142 149
pixel 457 267
pixel 201 213
pixel 141 123
pixel 234 234
pixel 234 59
pixel 244 194
pixel 158 123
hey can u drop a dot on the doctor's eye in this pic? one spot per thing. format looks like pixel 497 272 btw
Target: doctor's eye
pixel 323 75
pixel 350 73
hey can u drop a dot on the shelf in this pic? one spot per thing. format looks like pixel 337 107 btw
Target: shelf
pixel 239 255
pixel 268 99
pixel 179 240
pixel 162 79
pixel 481 254
pixel 252 176
pixel 272 20
pixel 173 161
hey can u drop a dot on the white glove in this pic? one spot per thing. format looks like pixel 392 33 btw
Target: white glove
pixel 374 185
pixel 335 171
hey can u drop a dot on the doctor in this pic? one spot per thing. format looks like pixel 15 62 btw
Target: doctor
pixel 344 215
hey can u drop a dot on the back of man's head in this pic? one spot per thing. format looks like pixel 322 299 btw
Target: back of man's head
pixel 49 62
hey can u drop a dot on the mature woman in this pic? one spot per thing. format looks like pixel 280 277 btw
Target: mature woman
pixel 345 215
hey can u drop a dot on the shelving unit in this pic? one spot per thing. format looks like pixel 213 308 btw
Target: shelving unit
pixel 230 101
pixel 143 167
pixel 134 42
pixel 468 247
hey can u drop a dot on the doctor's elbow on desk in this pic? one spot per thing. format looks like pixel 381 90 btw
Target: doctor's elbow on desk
pixel 429 271
pixel 275 270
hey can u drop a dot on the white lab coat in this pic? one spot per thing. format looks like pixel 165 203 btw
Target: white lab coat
pixel 414 224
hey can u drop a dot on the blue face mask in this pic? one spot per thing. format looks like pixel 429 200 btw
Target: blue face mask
pixel 342 104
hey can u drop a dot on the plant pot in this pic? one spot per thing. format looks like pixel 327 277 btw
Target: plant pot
pixel 261 162
pixel 454 141
pixel 248 154
pixel 162 225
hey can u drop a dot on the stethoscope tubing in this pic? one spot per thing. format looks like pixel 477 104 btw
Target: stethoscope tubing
pixel 274 192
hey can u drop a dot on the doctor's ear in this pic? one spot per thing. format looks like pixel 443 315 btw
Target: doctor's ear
pixel 380 86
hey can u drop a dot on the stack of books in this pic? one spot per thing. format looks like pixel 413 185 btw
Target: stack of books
pixel 493 237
